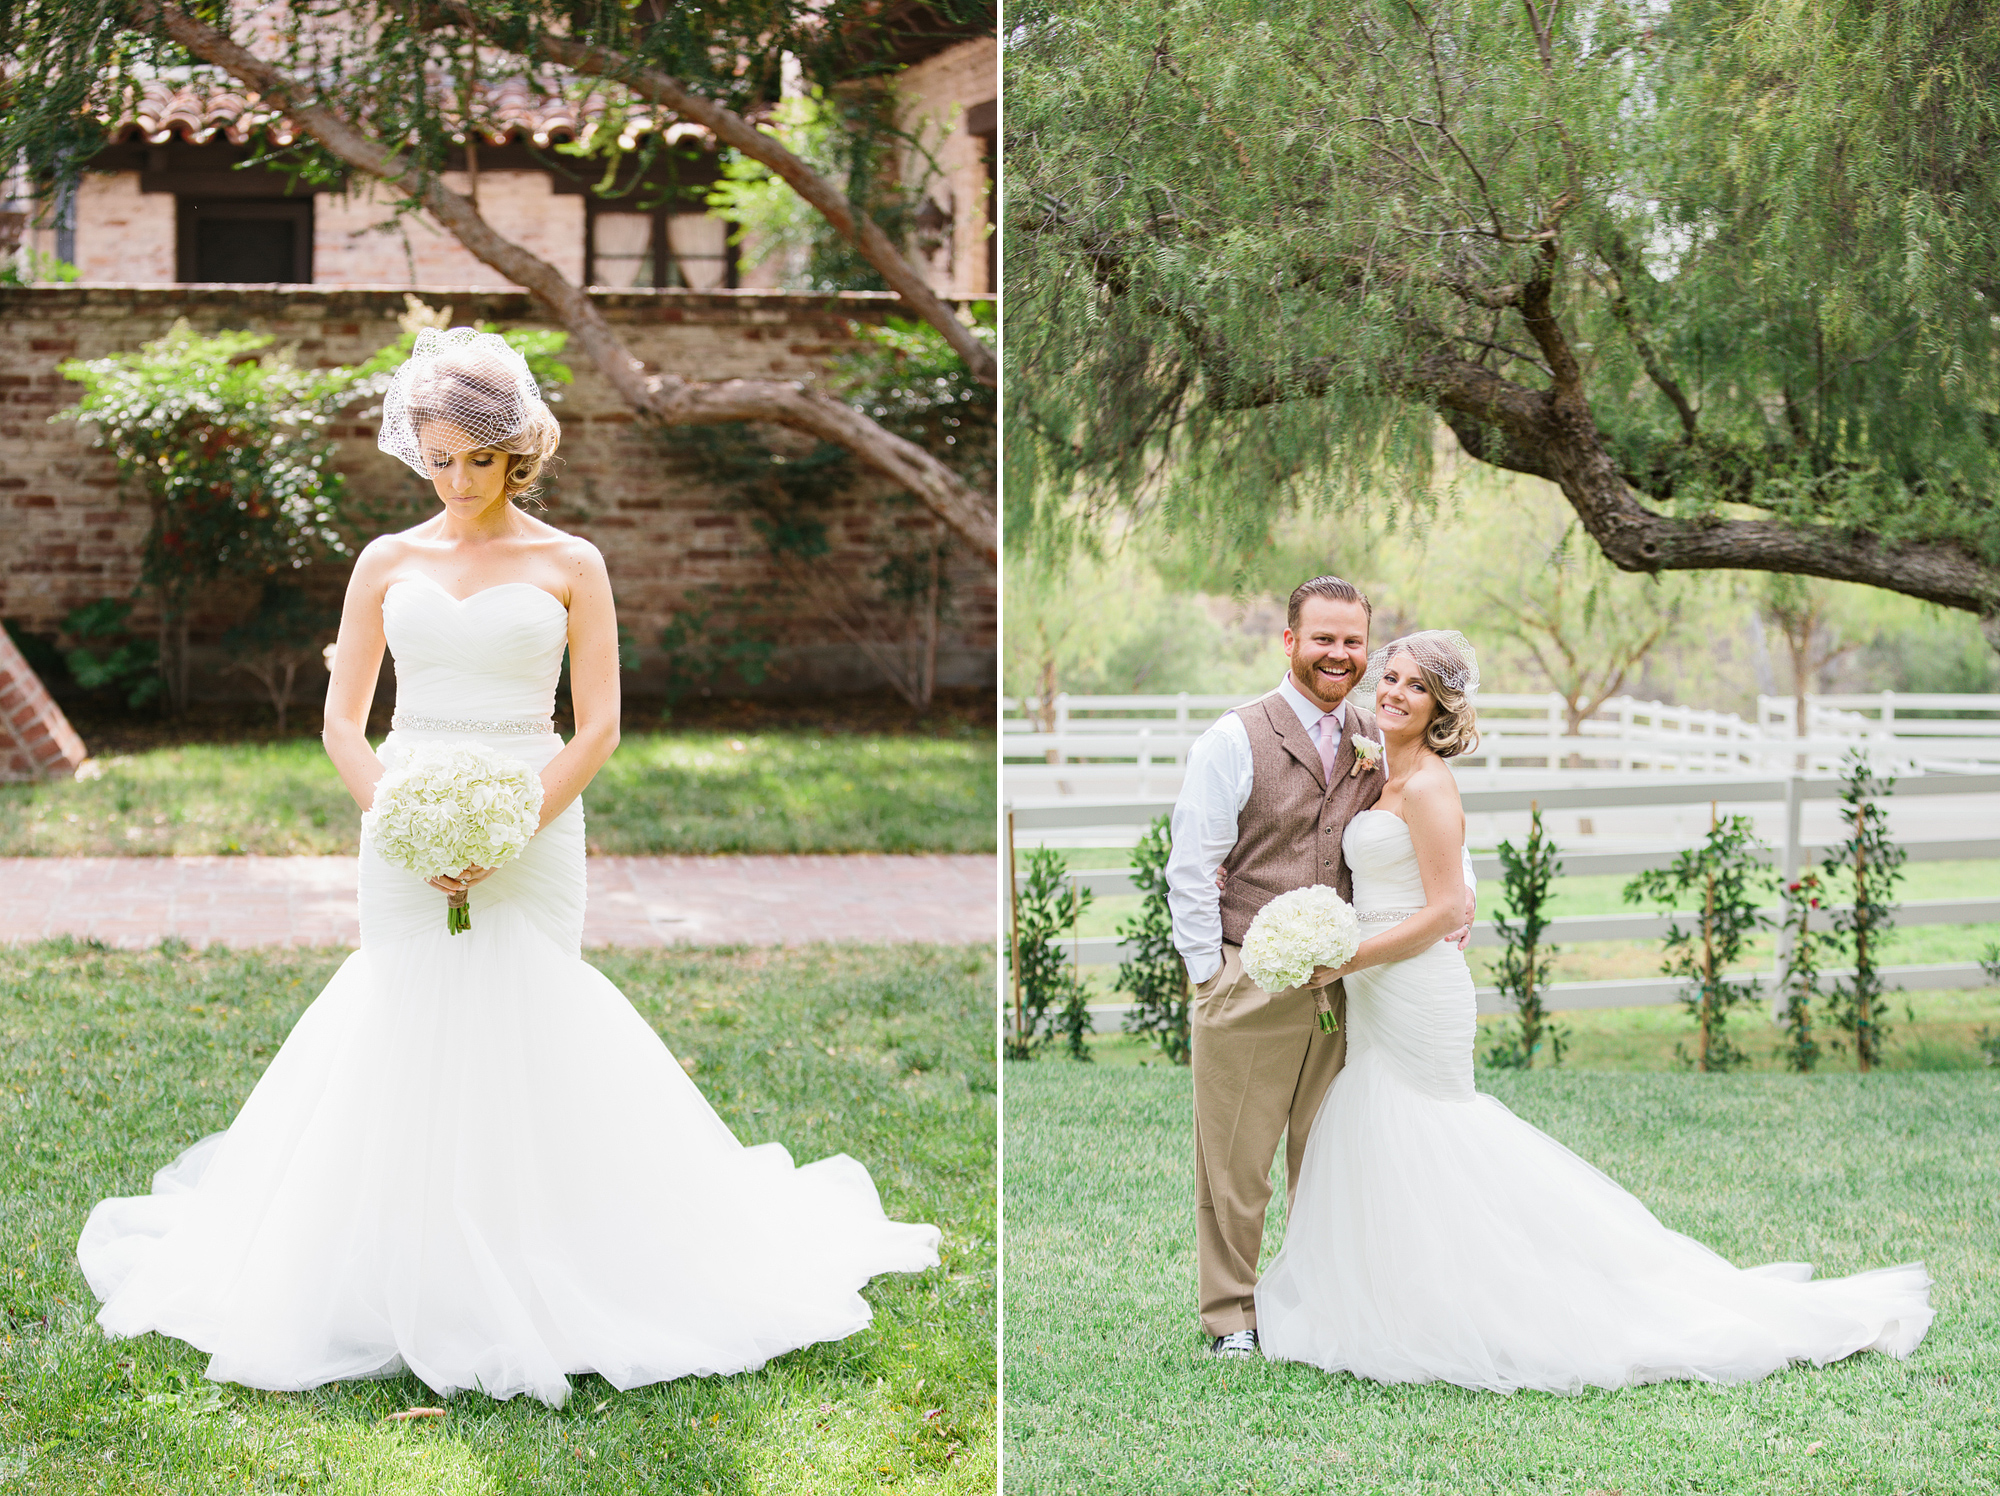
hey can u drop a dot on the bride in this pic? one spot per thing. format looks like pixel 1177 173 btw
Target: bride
pixel 472 1159
pixel 1437 1237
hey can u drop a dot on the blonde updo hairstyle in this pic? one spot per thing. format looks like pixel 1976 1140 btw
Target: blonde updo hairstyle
pixel 1450 678
pixel 529 452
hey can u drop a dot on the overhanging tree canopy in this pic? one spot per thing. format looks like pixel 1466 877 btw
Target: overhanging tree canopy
pixel 386 89
pixel 1724 270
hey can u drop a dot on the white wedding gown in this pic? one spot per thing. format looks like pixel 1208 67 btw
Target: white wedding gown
pixel 1435 1236
pixel 472 1158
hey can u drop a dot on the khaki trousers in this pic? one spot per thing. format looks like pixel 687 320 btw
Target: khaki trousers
pixel 1261 1068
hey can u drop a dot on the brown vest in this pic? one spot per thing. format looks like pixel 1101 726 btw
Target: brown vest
pixel 1289 831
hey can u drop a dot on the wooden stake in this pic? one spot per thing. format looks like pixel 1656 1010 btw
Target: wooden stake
pixel 1014 923
pixel 1864 1002
pixel 1708 946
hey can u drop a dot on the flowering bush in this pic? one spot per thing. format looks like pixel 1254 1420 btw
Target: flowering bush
pixel 1296 932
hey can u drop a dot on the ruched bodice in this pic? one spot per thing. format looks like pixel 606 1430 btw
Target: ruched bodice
pixel 1378 848
pixel 495 654
pixel 493 658
pixel 1419 1013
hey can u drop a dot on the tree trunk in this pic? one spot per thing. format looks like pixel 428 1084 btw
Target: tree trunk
pixel 665 398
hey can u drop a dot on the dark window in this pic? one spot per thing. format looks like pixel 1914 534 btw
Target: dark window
pixel 246 242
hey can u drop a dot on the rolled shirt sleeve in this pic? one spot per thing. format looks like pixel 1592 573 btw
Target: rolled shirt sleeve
pixel 1213 793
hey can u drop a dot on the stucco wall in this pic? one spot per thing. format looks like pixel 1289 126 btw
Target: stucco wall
pixel 70 535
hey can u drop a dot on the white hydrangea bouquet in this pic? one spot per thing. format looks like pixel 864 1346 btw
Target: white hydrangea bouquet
pixel 1296 932
pixel 449 807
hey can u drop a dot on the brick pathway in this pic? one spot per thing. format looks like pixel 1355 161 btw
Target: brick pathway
pixel 133 901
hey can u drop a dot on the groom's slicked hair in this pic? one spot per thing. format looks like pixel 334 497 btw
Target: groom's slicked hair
pixel 1332 588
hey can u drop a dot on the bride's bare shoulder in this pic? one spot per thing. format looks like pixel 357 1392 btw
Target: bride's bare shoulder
pixel 380 558
pixel 1433 786
pixel 579 561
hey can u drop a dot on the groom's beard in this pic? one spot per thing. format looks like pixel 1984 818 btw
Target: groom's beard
pixel 1315 688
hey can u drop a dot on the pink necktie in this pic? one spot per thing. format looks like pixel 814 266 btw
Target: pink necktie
pixel 1329 742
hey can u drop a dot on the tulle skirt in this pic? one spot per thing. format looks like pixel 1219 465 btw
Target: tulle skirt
pixel 1435 1236
pixel 472 1159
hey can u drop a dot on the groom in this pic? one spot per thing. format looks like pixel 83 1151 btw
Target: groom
pixel 1269 790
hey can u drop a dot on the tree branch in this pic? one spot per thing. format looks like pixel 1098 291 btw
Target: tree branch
pixel 1531 431
pixel 664 397
pixel 733 130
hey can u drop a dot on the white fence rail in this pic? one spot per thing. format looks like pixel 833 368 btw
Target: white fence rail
pixel 1123 818
pixel 1137 745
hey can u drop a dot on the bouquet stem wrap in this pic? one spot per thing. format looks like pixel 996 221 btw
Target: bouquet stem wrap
pixel 453 806
pixel 1296 933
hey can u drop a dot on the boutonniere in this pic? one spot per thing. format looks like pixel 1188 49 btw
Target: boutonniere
pixel 1367 754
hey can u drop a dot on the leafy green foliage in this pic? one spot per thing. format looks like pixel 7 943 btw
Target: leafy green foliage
pixel 32 267
pixel 1154 973
pixel 107 657
pixel 845 136
pixel 1872 863
pixel 699 649
pixel 1245 278
pixel 284 634
pixel 1799 974
pixel 230 448
pixel 1527 965
pixel 1052 995
pixel 1726 874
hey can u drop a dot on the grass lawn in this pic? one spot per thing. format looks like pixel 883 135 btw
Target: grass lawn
pixel 1110 1389
pixel 696 792
pixel 112 1062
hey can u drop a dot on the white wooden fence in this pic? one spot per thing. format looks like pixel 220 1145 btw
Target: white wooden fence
pixel 1122 819
pixel 1136 746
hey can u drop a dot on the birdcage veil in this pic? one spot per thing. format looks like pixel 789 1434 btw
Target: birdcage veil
pixel 462 390
pixel 1445 653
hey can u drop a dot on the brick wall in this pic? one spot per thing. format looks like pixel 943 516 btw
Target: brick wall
pixel 70 535
pixel 36 740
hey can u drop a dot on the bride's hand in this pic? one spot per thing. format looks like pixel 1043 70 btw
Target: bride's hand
pixel 465 880
pixel 1326 976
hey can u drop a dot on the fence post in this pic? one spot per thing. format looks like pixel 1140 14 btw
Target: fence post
pixel 1062 725
pixel 1794 822
pixel 1180 713
pixel 1145 758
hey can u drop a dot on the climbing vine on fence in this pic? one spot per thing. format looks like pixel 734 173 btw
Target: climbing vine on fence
pixel 1725 873
pixel 1154 973
pixel 1050 992
pixel 1526 964
pixel 1874 863
pixel 1799 974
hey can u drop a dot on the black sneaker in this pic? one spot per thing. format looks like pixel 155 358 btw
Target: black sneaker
pixel 1241 1343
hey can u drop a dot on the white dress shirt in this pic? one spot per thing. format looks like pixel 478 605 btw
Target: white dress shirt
pixel 1213 793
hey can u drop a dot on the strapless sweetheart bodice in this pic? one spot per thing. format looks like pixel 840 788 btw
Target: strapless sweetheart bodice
pixel 1378 848
pixel 494 655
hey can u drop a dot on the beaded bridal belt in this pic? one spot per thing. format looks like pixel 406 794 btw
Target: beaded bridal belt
pixel 524 726
pixel 1384 916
